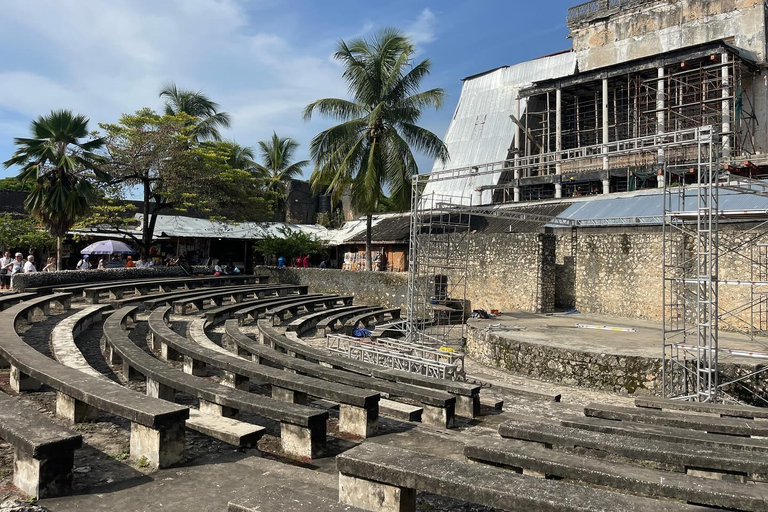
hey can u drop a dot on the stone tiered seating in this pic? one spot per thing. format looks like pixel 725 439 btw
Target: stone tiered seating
pixel 736 411
pixel 302 429
pixel 304 323
pixel 438 406
pixel 150 302
pixel 218 315
pixel 280 313
pixel 377 477
pixel 330 323
pixel 7 301
pixel 533 459
pixel 43 450
pixel 682 457
pixel 181 306
pixel 157 427
pixel 254 311
pixel 371 317
pixel 730 426
pixel 467 395
pixel 359 410
pixel 116 290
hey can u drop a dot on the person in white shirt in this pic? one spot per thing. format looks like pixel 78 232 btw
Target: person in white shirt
pixel 17 266
pixel 6 262
pixel 83 264
pixel 29 266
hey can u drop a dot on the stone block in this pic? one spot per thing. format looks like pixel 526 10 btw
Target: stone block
pixel 215 409
pixel 19 381
pixel 160 447
pixel 167 353
pixel 74 410
pixel 468 406
pixel 359 421
pixel 236 381
pixel 194 367
pixel 302 442
pixel 441 417
pixel 43 478
pixel 375 496
pixel 157 390
pixel 289 395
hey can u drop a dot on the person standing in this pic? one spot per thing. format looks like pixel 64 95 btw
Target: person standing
pixel 84 263
pixel 29 266
pixel 17 266
pixel 305 261
pixel 281 262
pixel 6 262
pixel 130 263
pixel 299 261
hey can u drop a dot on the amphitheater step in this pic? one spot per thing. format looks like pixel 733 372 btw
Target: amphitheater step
pixel 279 499
pixel 400 411
pixel 492 403
pixel 502 388
pixel 228 430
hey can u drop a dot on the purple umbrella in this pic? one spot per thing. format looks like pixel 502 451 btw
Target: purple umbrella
pixel 108 247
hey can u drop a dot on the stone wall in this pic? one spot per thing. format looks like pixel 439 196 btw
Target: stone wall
pixel 376 288
pixel 21 282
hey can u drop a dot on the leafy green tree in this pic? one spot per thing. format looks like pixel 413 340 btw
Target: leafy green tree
pixel 370 150
pixel 15 185
pixel 161 156
pixel 56 162
pixel 21 233
pixel 277 167
pixel 240 157
pixel 291 243
pixel 197 105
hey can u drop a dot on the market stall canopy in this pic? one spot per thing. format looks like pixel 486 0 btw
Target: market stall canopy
pixel 108 247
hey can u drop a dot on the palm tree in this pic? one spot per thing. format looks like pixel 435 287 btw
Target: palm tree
pixel 241 157
pixel 277 169
pixel 370 150
pixel 196 104
pixel 53 161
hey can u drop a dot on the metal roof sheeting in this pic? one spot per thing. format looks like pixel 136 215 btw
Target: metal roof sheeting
pixel 481 131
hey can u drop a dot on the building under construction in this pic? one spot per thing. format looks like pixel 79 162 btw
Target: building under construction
pixel 669 95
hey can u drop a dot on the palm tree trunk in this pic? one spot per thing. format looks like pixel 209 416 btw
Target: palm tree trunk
pixel 58 252
pixel 368 230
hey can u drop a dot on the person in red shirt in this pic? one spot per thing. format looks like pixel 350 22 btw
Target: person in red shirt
pixel 305 261
pixel 299 261
pixel 130 263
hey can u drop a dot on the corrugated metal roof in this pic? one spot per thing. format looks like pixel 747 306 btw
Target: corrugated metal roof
pixel 180 226
pixel 481 131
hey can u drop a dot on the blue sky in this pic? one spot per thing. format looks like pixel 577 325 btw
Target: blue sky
pixel 261 60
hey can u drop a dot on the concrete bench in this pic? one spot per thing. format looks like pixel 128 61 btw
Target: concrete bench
pixel 329 324
pixel 696 460
pixel 467 395
pixel 7 301
pixel 115 291
pixel 438 406
pixel 43 450
pixel 730 426
pixel 150 302
pixel 736 411
pixel 302 429
pixel 280 313
pixel 181 306
pixel 218 315
pixel 253 312
pixel 157 427
pixel 64 333
pixel 359 411
pixel 530 459
pixel 384 478
pixel 374 317
pixel 663 433
pixel 304 323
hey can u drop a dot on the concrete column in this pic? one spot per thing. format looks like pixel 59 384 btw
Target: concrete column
pixel 43 478
pixel 113 358
pixel 370 495
pixel 606 131
pixel 236 381
pixel 161 391
pixel 194 367
pixel 516 192
pixel 20 381
pixel 726 107
pixel 518 134
pixel 558 139
pixel 660 180
pixel 441 417
pixel 215 409
pixel 167 353
pixel 607 186
pixel 302 442
pixel 468 406
pixel 74 410
pixel 130 373
pixel 359 421
pixel 661 105
pixel 159 447
pixel 289 395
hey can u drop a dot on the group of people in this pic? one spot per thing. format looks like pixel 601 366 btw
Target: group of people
pixel 106 262
pixel 10 266
pixel 302 261
pixel 229 268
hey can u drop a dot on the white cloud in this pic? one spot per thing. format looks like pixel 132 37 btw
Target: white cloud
pixel 422 30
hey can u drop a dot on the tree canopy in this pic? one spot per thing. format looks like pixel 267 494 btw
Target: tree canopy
pixel 290 243
pixel 21 233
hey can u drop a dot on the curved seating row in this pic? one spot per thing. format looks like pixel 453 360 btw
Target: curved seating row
pixel 304 323
pixel 439 407
pixel 150 302
pixel 329 323
pixel 157 427
pixel 278 314
pixel 359 411
pixel 218 315
pixel 375 317
pixel 64 333
pixel 467 395
pixel 181 305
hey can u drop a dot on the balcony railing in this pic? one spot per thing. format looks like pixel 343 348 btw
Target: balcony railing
pixel 589 9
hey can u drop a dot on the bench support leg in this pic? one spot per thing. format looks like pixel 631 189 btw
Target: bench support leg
pixel 160 447
pixel 22 382
pixel 43 478
pixel 288 395
pixel 468 406
pixel 441 417
pixel 112 357
pixel 129 373
pixel 167 353
pixel 194 367
pixel 375 496
pixel 4 364
pixel 236 381
pixel 214 409
pixel 161 391
pixel 302 442
pixel 359 421
pixel 74 410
